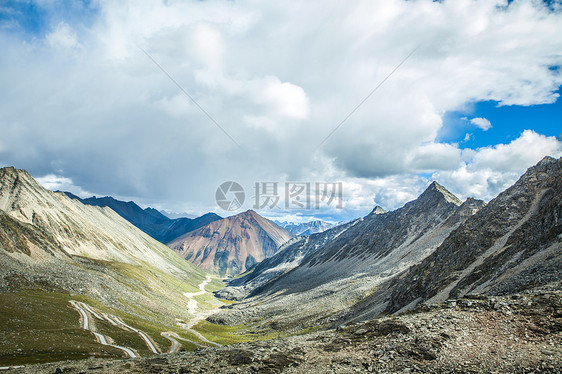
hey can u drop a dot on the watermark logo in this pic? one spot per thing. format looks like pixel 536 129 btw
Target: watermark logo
pixel 268 195
pixel 230 196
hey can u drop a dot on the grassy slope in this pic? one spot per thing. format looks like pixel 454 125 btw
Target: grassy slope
pixel 144 284
pixel 223 334
pixel 41 326
pixel 38 325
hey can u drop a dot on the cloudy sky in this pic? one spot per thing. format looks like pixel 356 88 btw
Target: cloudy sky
pixel 95 97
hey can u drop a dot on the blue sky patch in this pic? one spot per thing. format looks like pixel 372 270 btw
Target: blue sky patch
pixel 34 20
pixel 508 122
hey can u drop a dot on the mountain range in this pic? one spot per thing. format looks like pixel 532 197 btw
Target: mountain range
pixel 237 243
pixel 434 248
pixel 306 228
pixel 56 251
pixel 150 220
pixel 232 245
pixel 438 285
pixel 512 245
pixel 288 257
pixel 347 265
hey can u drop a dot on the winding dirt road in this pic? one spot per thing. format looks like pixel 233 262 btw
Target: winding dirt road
pixel 173 337
pixel 149 343
pixel 84 309
pixel 87 313
pixel 192 303
pixel 175 343
pixel 198 315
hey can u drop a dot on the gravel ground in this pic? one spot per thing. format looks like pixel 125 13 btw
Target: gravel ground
pixel 515 334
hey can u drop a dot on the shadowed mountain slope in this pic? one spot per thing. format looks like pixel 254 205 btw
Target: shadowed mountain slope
pixel 289 256
pixel 513 244
pixel 349 265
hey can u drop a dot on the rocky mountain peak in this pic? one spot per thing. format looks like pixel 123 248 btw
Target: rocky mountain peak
pixel 10 175
pixel 19 190
pixel 7 169
pixel 248 214
pixel 377 210
pixel 515 235
pixel 547 160
pixel 472 202
pixel 211 214
pixel 547 168
pixel 247 217
pixel 436 193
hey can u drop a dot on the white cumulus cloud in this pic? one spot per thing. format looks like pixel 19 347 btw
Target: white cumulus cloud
pixel 482 123
pixel 277 77
pixel 487 171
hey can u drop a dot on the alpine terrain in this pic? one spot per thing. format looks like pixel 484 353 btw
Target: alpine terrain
pixel 289 256
pixel 439 285
pixel 349 263
pixel 232 245
pixel 79 281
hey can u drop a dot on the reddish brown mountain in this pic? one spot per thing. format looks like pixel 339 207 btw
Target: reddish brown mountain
pixel 232 245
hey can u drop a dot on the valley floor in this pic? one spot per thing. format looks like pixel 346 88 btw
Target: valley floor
pixel 515 334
